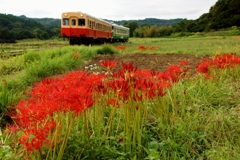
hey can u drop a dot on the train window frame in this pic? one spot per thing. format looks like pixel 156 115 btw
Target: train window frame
pixel 65 21
pixel 81 22
pixel 90 24
pixel 73 22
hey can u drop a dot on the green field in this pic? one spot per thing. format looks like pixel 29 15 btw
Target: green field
pixel 191 45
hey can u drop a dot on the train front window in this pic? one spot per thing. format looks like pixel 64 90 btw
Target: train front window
pixel 65 21
pixel 81 22
pixel 73 22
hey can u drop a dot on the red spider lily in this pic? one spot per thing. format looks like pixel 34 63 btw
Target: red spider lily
pixel 203 68
pixel 33 138
pixel 76 92
pixel 75 54
pixel 174 69
pixel 153 47
pixel 219 61
pixel 101 88
pixel 142 48
pixel 165 76
pixel 109 64
pixel 137 97
pixel 128 68
pixel 113 102
pixel 121 88
pixel 72 92
pixel 175 72
pixel 183 63
pixel 122 47
pixel 226 60
pixel 12 128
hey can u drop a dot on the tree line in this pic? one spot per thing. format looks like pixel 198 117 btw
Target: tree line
pixel 14 28
pixel 224 14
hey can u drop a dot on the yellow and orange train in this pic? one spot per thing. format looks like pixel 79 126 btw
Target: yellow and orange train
pixel 82 28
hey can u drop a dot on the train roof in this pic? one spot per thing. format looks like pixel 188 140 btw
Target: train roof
pixel 111 23
pixel 89 16
pixel 119 26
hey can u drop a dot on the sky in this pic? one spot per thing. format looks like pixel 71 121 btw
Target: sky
pixel 109 9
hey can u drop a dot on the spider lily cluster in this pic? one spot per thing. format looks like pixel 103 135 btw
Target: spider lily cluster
pixel 112 105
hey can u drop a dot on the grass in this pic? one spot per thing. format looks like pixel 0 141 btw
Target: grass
pixel 197 118
pixel 188 45
pixel 23 46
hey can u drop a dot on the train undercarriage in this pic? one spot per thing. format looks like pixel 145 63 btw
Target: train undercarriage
pixel 91 41
pixel 87 41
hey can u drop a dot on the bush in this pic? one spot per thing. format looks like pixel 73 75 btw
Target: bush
pixel 106 49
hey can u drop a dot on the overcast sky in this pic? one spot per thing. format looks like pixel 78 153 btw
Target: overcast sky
pixel 109 9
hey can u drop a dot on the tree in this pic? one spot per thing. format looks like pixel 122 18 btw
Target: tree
pixel 132 26
pixel 6 36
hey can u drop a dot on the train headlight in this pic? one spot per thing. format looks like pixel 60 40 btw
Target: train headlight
pixel 65 14
pixel 81 15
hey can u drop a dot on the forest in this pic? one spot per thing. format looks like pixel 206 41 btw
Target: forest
pixel 224 15
pixel 14 28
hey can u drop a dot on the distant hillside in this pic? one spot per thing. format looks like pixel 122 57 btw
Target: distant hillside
pixel 47 22
pixel 152 21
pixel 51 22
pixel 14 28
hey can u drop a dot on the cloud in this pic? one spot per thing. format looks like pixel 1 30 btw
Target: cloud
pixel 110 9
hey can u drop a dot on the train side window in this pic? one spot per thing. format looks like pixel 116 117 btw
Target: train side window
pixel 90 24
pixel 81 22
pixel 65 21
pixel 96 25
pixel 73 22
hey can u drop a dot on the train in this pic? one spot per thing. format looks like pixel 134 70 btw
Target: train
pixel 82 28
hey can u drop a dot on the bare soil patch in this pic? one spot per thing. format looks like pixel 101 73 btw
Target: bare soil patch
pixel 157 62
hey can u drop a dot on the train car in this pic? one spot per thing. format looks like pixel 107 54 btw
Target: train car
pixel 119 33
pixel 82 28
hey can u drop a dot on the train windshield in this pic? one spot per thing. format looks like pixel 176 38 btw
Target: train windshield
pixel 65 21
pixel 73 22
pixel 81 22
